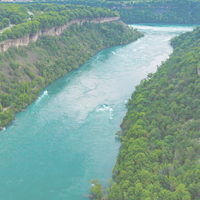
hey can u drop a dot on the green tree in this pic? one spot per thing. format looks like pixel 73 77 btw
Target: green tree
pixel 96 189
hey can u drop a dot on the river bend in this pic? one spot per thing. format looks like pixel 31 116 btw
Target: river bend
pixel 67 136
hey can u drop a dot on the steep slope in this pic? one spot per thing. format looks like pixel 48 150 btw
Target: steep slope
pixel 182 11
pixel 55 31
pixel 24 71
pixel 159 157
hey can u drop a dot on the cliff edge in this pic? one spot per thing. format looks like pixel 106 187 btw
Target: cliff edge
pixel 56 31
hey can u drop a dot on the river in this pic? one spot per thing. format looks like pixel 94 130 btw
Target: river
pixel 67 136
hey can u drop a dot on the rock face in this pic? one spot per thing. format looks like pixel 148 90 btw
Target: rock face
pixel 56 31
pixel 198 71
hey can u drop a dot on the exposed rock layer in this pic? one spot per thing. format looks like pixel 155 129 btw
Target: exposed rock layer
pixel 56 31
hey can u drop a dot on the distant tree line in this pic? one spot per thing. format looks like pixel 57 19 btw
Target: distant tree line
pixel 155 11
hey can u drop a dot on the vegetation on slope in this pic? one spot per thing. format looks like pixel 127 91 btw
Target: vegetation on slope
pixel 24 71
pixel 182 11
pixel 52 16
pixel 160 152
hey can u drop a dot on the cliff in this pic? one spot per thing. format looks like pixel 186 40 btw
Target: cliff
pixel 56 31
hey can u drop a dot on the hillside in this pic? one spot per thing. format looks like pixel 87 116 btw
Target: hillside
pixel 24 71
pixel 182 11
pixel 159 157
pixel 46 16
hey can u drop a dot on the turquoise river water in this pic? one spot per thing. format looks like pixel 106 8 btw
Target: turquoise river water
pixel 67 136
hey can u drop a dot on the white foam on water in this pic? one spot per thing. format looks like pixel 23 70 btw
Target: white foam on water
pixel 4 128
pixel 113 52
pixel 107 110
pixel 125 101
pixel 142 47
pixel 104 108
pixel 44 94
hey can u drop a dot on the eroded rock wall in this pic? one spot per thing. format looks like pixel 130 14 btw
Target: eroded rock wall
pixel 56 31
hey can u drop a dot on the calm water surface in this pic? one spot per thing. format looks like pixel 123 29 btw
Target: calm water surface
pixel 67 136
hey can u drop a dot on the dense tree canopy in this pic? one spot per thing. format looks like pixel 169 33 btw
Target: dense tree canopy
pixel 53 15
pixel 159 157
pixel 14 14
pixel 151 11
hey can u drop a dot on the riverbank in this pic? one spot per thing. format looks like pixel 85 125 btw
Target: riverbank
pixel 55 148
pixel 159 157
pixel 26 70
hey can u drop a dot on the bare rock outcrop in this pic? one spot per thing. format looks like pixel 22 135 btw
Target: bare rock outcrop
pixel 198 71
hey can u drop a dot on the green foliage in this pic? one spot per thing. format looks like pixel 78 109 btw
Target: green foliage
pixel 159 157
pixel 14 65
pixel 96 189
pixel 50 58
pixel 149 11
pixel 54 16
pixel 5 22
pixel 161 12
pixel 15 14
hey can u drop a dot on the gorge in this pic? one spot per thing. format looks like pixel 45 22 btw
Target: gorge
pixel 82 75
pixel 66 137
pixel 27 69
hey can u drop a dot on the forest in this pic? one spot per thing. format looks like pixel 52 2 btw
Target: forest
pixel 181 12
pixel 47 16
pixel 12 14
pixel 159 155
pixel 160 151
pixel 155 11
pixel 24 71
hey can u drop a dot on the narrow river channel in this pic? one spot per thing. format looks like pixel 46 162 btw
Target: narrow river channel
pixel 67 136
